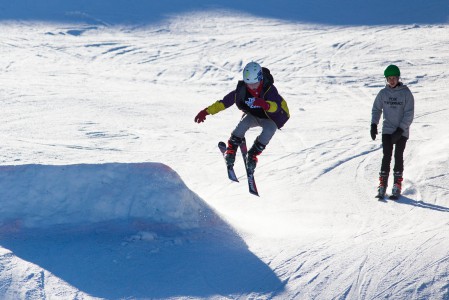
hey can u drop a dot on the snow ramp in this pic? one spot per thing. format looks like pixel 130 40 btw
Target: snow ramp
pixel 116 231
pixel 39 196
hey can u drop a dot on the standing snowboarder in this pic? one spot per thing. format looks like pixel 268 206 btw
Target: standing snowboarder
pixel 263 107
pixel 397 104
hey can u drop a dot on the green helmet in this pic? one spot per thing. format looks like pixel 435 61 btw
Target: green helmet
pixel 392 70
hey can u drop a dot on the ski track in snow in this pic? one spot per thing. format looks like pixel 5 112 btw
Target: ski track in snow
pixel 76 94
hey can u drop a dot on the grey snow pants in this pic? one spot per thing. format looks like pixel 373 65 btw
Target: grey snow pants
pixel 249 121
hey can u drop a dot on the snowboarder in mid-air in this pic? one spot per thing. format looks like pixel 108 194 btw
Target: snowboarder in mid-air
pixel 397 104
pixel 263 107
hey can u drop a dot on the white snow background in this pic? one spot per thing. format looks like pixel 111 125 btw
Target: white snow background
pixel 109 190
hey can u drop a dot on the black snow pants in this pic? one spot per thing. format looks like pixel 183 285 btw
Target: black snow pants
pixel 399 148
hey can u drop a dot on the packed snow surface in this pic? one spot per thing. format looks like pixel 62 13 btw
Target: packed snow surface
pixel 109 190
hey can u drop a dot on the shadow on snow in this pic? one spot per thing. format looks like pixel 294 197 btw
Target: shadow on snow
pixel 124 230
pixel 139 12
pixel 421 204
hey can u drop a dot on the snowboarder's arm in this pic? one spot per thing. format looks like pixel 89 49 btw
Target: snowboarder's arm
pixel 377 109
pixel 274 99
pixel 409 112
pixel 220 105
pixel 215 108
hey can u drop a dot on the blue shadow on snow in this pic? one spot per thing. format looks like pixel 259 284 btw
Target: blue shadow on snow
pixel 421 204
pixel 103 229
pixel 143 12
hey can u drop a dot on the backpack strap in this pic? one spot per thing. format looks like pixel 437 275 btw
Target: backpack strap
pixel 240 91
pixel 267 77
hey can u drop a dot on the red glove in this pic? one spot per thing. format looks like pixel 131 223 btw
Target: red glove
pixel 201 116
pixel 262 103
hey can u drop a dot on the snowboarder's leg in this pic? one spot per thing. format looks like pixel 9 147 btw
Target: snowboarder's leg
pixel 398 166
pixel 397 183
pixel 268 130
pixel 399 155
pixel 387 148
pixel 251 160
pixel 247 122
pixel 237 136
pixel 233 145
pixel 383 183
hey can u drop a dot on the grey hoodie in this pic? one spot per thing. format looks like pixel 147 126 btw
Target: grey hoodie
pixel 398 106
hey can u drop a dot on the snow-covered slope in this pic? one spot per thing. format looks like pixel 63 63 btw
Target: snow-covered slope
pixel 110 190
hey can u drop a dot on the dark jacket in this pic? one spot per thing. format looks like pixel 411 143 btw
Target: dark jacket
pixel 278 111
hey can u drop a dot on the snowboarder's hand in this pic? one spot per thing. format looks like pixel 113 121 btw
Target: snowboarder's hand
pixel 201 116
pixel 373 131
pixel 262 103
pixel 395 136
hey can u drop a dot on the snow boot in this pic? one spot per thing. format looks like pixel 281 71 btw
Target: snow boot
pixel 383 183
pixel 251 159
pixel 397 184
pixel 233 145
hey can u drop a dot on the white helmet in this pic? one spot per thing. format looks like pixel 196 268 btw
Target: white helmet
pixel 252 73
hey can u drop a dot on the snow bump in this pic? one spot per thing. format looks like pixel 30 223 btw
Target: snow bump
pixel 39 196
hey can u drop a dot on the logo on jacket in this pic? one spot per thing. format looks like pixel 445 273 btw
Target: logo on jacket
pixel 393 101
pixel 250 103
